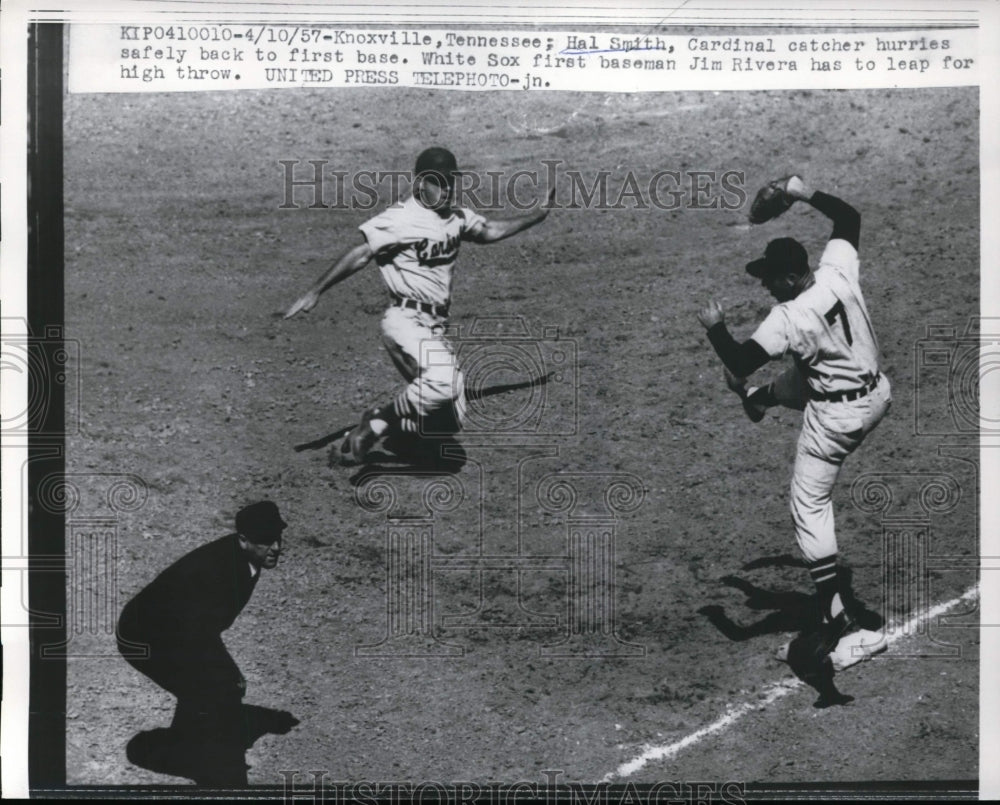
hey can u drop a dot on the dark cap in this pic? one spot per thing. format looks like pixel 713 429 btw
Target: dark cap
pixel 782 255
pixel 260 522
pixel 437 163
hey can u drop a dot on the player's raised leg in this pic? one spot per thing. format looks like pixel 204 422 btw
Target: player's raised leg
pixel 416 343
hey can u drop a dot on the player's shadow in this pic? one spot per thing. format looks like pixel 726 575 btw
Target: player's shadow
pixel 173 752
pixel 476 394
pixel 437 450
pixel 790 611
pixel 781 560
pixel 443 455
pixel 866 618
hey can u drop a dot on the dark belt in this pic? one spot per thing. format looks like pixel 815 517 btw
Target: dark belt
pixel 441 311
pixel 847 395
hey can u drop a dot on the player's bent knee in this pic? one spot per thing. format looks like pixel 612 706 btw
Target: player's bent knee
pixel 443 383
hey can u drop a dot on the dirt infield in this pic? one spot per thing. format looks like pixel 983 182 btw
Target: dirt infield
pixel 633 457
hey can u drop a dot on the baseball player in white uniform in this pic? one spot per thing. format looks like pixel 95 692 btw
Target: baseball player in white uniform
pixel 415 245
pixel 822 322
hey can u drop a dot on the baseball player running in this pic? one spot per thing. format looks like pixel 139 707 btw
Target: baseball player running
pixel 822 322
pixel 415 244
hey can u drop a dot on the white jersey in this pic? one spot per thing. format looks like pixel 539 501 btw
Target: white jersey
pixel 415 248
pixel 826 328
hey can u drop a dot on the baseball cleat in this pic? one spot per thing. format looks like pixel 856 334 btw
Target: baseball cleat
pixel 353 450
pixel 857 646
pixel 345 456
pixel 853 645
pixel 359 442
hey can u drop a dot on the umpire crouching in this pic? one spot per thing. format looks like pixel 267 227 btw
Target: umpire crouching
pixel 179 618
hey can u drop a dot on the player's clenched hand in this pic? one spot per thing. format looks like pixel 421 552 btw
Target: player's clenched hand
pixel 303 304
pixel 711 314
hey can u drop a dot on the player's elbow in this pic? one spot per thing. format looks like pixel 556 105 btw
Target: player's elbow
pixel 848 227
pixel 747 359
pixel 741 367
pixel 489 235
pixel 494 231
pixel 357 258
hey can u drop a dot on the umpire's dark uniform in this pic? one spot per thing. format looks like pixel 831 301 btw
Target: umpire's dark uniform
pixel 180 617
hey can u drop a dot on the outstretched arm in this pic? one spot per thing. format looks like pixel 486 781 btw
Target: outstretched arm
pixel 495 230
pixel 350 262
pixel 846 219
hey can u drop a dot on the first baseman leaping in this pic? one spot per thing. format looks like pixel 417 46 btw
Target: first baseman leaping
pixel 822 321
pixel 415 244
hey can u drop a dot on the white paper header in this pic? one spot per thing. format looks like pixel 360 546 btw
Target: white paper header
pixel 189 57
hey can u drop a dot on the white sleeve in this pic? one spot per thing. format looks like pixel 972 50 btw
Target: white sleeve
pixel 840 254
pixel 472 220
pixel 380 231
pixel 775 333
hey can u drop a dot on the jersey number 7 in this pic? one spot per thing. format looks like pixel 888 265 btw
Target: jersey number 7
pixel 833 313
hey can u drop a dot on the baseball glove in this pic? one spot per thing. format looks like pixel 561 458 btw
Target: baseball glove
pixel 771 201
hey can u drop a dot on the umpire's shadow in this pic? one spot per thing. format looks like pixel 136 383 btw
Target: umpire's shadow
pixel 170 751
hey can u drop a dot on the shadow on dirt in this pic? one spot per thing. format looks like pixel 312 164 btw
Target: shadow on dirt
pixel 793 612
pixel 474 394
pixel 781 560
pixel 175 752
pixel 440 452
pixel 442 455
pixel 323 441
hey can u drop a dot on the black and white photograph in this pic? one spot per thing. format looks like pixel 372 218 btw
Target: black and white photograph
pixel 583 403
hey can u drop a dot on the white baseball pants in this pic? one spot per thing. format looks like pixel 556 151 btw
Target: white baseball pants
pixel 831 431
pixel 416 342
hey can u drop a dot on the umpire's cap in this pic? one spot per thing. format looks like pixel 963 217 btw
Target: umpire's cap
pixel 260 522
pixel 782 255
pixel 437 163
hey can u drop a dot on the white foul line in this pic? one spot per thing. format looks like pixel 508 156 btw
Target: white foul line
pixel 771 694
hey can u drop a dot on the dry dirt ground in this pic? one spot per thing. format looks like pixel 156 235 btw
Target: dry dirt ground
pixel 177 255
